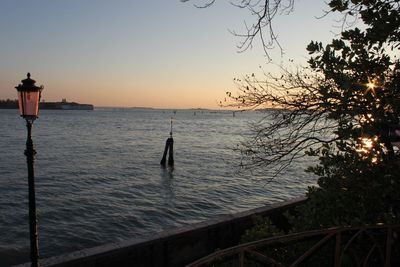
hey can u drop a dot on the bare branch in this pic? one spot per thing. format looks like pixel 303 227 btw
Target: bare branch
pixel 294 121
pixel 263 12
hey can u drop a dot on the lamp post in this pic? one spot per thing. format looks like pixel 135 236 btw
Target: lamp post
pixel 28 100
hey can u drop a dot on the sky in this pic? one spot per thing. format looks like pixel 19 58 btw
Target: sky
pixel 143 53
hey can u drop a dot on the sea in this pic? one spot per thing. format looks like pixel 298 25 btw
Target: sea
pixel 99 178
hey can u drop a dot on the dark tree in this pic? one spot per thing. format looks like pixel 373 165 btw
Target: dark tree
pixel 343 108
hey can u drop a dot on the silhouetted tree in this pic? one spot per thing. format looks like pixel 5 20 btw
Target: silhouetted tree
pixel 341 108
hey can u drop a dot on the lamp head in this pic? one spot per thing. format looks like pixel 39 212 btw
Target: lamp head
pixel 28 98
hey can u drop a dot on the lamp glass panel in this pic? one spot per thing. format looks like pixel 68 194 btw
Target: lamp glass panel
pixel 28 103
pixel 21 103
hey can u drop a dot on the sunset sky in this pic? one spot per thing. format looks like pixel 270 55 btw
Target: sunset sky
pixel 149 53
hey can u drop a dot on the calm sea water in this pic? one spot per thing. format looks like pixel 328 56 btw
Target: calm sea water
pixel 98 178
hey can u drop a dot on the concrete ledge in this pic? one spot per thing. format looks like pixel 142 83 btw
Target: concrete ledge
pixel 175 247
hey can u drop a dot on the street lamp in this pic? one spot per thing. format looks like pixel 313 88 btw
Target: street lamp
pixel 28 100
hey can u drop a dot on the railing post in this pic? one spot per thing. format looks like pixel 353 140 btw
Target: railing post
pixel 388 246
pixel 241 258
pixel 338 258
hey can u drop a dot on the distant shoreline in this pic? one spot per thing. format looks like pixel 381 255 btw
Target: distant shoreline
pixel 63 105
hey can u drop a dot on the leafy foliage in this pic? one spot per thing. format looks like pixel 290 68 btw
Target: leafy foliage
pixel 263 228
pixel 340 109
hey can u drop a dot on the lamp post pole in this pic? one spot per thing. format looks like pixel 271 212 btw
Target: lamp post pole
pixel 28 99
pixel 30 154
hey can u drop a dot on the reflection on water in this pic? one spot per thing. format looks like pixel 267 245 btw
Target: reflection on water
pixel 167 172
pixel 167 181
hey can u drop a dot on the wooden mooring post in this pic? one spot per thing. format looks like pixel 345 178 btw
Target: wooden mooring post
pixel 169 147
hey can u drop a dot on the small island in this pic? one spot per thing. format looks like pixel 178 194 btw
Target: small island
pixel 63 105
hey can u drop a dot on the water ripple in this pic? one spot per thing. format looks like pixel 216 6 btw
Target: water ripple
pixel 98 177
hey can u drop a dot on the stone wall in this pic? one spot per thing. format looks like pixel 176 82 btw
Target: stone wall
pixel 175 247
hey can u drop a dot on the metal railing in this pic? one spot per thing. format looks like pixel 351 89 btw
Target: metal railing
pixel 373 245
